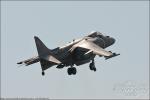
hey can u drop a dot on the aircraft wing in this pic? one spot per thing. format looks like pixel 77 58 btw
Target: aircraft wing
pixel 93 47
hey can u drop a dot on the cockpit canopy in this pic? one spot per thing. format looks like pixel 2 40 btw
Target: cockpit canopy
pixel 95 34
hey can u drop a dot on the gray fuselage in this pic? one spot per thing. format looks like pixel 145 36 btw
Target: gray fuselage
pixel 80 55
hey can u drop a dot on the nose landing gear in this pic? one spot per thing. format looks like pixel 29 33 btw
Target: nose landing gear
pixel 92 65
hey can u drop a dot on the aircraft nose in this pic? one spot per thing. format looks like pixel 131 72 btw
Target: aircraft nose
pixel 112 41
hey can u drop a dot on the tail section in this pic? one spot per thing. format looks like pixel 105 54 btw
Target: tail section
pixel 45 56
pixel 29 61
pixel 44 52
pixel 41 48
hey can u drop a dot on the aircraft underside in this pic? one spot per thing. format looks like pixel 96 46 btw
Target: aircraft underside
pixel 78 57
pixel 77 53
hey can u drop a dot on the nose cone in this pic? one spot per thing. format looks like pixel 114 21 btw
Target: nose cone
pixel 112 41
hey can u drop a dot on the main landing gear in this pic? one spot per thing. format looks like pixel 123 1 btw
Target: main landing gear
pixel 92 65
pixel 72 70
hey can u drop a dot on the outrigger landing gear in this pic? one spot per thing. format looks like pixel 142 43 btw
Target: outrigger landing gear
pixel 92 65
pixel 72 70
pixel 43 73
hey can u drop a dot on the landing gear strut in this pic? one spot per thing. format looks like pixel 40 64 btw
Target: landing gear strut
pixel 92 65
pixel 72 70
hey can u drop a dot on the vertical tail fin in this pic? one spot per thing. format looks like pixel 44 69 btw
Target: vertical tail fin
pixel 44 52
pixel 41 48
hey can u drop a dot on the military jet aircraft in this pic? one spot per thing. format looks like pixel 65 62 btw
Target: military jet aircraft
pixel 77 52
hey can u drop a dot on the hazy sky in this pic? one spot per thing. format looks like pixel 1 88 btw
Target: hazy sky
pixel 59 22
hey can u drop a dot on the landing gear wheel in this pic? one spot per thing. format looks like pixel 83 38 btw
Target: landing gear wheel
pixel 71 71
pixel 94 69
pixel 74 71
pixel 43 73
pixel 92 66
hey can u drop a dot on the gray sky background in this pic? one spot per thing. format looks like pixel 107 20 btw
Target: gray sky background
pixel 59 22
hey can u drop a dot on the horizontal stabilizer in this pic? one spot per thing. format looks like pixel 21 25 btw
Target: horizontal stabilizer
pixel 30 61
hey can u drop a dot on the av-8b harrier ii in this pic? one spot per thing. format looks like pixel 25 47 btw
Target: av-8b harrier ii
pixel 78 52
